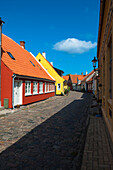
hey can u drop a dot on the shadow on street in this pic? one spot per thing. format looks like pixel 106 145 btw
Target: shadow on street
pixel 57 143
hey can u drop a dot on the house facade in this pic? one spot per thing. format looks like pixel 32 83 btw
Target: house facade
pixel 72 81
pixel 75 81
pixel 59 88
pixel 79 79
pixel 87 83
pixel 23 79
pixel 105 61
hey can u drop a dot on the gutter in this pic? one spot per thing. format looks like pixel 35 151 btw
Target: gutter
pixel 13 90
pixel 34 78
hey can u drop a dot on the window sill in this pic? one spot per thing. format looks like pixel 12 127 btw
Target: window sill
pixel 49 91
pixel 35 93
pixel 28 94
pixel 41 93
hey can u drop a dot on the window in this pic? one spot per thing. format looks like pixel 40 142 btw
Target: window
pixel 51 87
pixel 59 86
pixel 40 87
pixel 39 67
pixel 35 87
pixel 32 63
pixel 27 87
pixel 45 86
pixel 10 55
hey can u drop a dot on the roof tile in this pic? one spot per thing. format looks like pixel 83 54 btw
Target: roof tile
pixel 21 65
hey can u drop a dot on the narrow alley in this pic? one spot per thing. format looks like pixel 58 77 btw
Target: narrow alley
pixel 47 135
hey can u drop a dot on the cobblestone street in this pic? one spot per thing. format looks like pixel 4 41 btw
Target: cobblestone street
pixel 47 135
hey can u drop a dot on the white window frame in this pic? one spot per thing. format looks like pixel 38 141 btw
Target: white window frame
pixel 58 87
pixel 40 87
pixel 48 88
pixel 35 87
pixel 28 92
pixel 45 87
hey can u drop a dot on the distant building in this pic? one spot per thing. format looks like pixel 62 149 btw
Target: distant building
pixel 74 81
pixel 87 83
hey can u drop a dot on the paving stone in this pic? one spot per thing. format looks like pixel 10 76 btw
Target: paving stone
pixel 49 134
pixel 99 145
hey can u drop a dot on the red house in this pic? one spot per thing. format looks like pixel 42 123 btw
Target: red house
pixel 23 78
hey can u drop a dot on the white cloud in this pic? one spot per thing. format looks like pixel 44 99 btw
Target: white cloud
pixel 72 45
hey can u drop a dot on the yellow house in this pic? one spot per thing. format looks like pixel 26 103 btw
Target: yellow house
pixel 105 62
pixel 59 88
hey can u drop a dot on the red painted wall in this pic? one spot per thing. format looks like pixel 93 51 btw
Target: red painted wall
pixel 33 98
pixel 6 84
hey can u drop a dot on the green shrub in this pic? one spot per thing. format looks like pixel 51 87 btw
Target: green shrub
pixel 68 89
pixel 65 91
pixel 62 94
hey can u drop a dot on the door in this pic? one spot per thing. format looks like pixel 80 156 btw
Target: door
pixel 17 93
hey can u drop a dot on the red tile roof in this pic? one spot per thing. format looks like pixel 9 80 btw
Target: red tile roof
pixel 74 78
pixel 22 65
pixel 66 77
pixel 80 77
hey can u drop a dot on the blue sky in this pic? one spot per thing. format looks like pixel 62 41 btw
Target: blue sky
pixel 67 30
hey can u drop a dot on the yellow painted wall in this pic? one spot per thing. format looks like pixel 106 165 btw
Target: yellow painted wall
pixel 52 72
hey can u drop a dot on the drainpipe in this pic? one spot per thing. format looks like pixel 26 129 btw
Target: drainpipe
pixel 13 90
pixel 1 22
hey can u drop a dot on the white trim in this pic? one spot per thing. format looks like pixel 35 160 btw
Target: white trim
pixel 90 77
pixel 42 66
pixel 40 82
pixel 49 91
pixel 35 94
pixel 20 92
pixel 37 87
pixel 41 93
pixel 45 87
pixel 27 94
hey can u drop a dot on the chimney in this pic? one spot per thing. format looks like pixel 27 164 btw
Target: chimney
pixel 82 73
pixel 22 44
pixel 86 72
pixel 1 23
pixel 44 54
pixel 51 63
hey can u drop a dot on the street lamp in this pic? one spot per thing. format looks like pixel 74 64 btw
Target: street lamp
pixel 94 62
